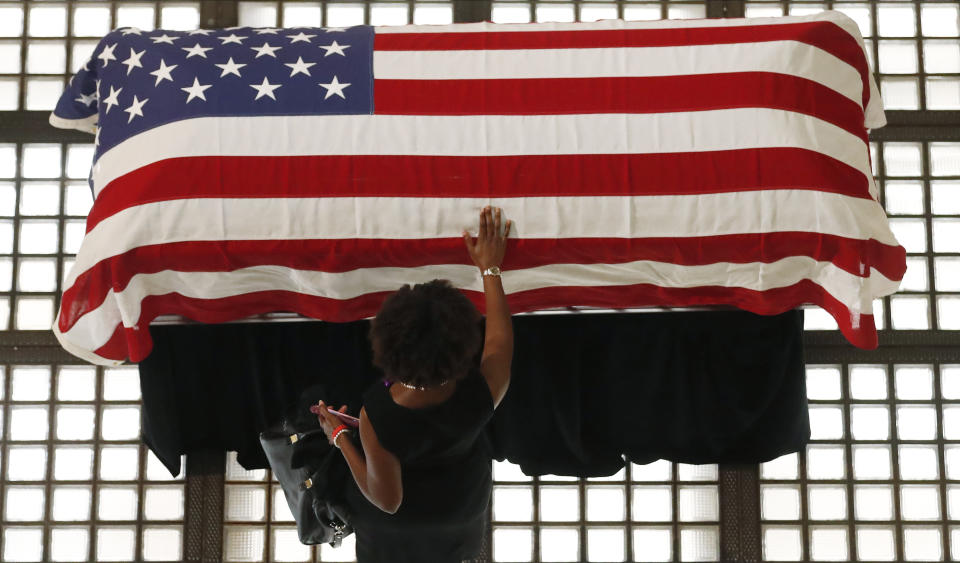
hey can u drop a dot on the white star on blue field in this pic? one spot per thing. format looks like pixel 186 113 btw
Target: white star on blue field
pixel 241 71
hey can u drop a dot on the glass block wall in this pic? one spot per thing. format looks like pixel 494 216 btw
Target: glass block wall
pixel 76 484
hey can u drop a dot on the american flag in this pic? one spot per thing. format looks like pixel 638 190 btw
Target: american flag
pixel 315 170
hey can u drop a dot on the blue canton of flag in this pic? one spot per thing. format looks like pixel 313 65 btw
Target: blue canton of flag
pixel 138 80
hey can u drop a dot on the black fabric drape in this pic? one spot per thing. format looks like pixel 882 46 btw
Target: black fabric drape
pixel 586 390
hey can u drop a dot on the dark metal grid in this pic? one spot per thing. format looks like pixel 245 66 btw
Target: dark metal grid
pixel 367 4
pixel 60 220
pixel 628 523
pixel 896 481
pixel 95 482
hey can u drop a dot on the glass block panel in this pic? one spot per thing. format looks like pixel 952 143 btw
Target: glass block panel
pixel 945 159
pixel 659 470
pixel 945 197
pixel 641 12
pixel 818 319
pixel 162 543
pixel 914 382
pixel 91 20
pixel 69 543
pixel 244 503
pixel 11 20
pixel 259 14
pixel 119 463
pixel 76 383
pixel 243 543
pixel 782 543
pixel 303 13
pixel 870 422
pixel 920 502
pixel 916 422
pixel 904 197
pixel 163 502
pixel 946 235
pixel 825 462
pixel 75 423
pixel 281 510
pixel 942 93
pixel 948 309
pixel 9 57
pixel 605 503
pixel 876 543
pixel 951 422
pixel 34 313
pixel 652 544
pixel 6 237
pixel 941 56
pixel 826 423
pixel 783 467
pixel 388 14
pixel 559 544
pixel 512 503
pixel 30 383
pixel 47 21
pixel 828 543
pixel 24 504
pixel 135 15
pixel 803 9
pixel 9 94
pixel 868 382
pixel 873 502
pixel 73 463
pixel 433 14
pixel 79 200
pixel 652 503
pixel 346 14
pixel 699 504
pixel 896 20
pixel 37 274
pixel 953 502
pixel 940 19
pixel 918 462
pixel 22 543
pixel 39 198
pixel 120 423
pixel 860 13
pixel 763 10
pixel 910 313
pixel 699 544
pixel 180 17
pixel 156 471
pixel 691 472
pixel 117 503
pixel 618 476
pixel 557 13
pixel 871 462
pixel 780 502
pixel 596 12
pixel 898 57
pixel 679 11
pixel 115 543
pixel 46 57
pixel 823 383
pixel 900 93
pixel 346 551
pixel 28 423
pixel 287 547
pixel 512 544
pixel 606 544
pixel 559 503
pixel 902 159
pixel 38 237
pixel 43 93
pixel 235 472
pixel 922 544
pixel 121 384
pixel 26 463
pixel 950 381
pixel 71 503
pixel 827 502
pixel 503 12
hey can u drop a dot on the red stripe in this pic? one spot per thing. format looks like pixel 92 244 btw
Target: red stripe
pixel 91 287
pixel 136 344
pixel 823 34
pixel 591 175
pixel 628 94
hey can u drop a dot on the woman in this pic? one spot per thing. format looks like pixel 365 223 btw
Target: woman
pixel 421 476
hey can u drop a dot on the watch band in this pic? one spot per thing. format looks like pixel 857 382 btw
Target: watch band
pixel 494 271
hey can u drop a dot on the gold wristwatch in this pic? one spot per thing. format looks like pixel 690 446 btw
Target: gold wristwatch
pixel 494 271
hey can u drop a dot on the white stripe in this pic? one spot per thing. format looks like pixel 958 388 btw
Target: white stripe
pixel 854 292
pixel 782 57
pixel 482 135
pixel 198 219
pixel 86 124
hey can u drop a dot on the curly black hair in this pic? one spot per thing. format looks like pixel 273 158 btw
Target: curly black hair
pixel 425 335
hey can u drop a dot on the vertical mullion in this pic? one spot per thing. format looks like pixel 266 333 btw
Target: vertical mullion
pixel 941 462
pixel 15 242
pixel 845 406
pixel 4 450
pixel 675 509
pixel 925 176
pixel 804 519
pixel 22 95
pixel 895 462
pixel 47 533
pixel 628 476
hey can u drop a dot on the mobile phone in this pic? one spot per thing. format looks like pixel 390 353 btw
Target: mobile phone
pixel 346 418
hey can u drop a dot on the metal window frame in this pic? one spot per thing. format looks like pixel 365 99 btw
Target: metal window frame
pixel 740 530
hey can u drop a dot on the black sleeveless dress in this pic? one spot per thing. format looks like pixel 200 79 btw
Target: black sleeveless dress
pixel 445 460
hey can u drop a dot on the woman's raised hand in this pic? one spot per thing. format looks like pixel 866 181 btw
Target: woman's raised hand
pixel 487 251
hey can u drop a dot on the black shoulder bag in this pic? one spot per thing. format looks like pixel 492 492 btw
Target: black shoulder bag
pixel 311 473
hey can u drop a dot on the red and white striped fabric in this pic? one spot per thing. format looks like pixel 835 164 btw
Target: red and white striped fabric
pixel 673 163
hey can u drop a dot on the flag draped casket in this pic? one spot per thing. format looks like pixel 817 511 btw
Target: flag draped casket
pixel 314 170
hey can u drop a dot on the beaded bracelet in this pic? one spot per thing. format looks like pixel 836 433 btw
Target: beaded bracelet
pixel 337 431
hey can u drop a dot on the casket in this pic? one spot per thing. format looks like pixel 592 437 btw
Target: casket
pixel 313 171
